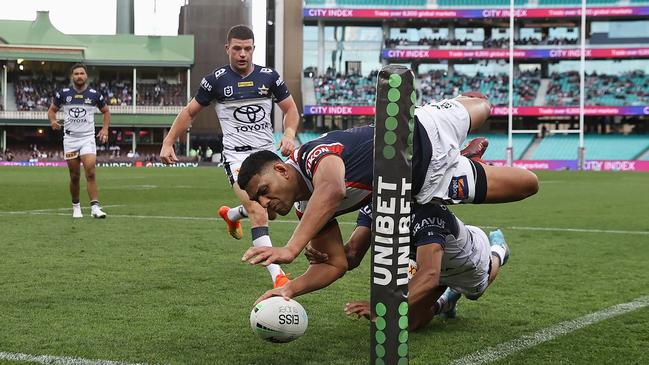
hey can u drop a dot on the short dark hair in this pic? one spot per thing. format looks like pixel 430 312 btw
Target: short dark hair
pixel 253 165
pixel 241 32
pixel 78 65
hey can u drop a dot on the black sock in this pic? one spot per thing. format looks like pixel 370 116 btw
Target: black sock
pixel 94 202
pixel 75 201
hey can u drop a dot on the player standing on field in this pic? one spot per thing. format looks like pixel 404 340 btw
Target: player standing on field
pixel 79 103
pixel 243 94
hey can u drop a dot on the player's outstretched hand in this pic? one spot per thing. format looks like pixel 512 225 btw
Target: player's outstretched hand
pixel 314 256
pixel 103 135
pixel 268 255
pixel 167 155
pixel 359 308
pixel 55 125
pixel 284 292
pixel 286 145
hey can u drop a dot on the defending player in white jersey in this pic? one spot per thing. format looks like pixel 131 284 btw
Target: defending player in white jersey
pixel 449 259
pixel 79 103
pixel 243 94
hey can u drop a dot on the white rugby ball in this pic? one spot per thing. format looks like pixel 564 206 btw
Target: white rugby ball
pixel 278 320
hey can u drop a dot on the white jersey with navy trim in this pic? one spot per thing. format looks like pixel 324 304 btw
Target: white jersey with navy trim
pixel 243 105
pixel 79 109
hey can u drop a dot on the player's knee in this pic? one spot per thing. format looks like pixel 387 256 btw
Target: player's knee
pixel 530 184
pixel 74 176
pixel 90 175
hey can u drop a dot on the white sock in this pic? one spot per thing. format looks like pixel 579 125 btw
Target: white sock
pixel 237 213
pixel 76 205
pixel 260 238
pixel 498 251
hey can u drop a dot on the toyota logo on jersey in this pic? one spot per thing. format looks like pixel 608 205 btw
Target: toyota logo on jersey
pixel 250 114
pixel 77 112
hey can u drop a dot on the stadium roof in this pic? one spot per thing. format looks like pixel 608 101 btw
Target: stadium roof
pixel 39 40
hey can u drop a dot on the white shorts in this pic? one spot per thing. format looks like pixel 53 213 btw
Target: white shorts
pixel 447 124
pixel 75 147
pixel 232 161
pixel 473 282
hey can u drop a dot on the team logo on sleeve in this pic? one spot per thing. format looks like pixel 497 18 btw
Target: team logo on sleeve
pixel 311 157
pixel 227 91
pixel 279 82
pixel 459 188
pixel 68 99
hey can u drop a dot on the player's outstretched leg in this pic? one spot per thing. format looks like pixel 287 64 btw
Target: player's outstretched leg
pixel 232 217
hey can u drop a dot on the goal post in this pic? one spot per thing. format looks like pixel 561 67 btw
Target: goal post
pixel 393 147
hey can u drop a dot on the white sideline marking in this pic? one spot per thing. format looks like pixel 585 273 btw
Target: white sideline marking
pixel 45 211
pixel 515 228
pixel 60 360
pixel 577 230
pixel 527 341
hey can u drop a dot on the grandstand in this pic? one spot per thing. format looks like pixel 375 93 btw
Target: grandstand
pixel 455 46
pixel 142 78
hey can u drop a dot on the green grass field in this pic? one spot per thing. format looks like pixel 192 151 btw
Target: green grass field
pixel 160 281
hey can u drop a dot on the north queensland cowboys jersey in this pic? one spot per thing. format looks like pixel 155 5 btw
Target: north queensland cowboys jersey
pixel 465 247
pixel 79 110
pixel 243 105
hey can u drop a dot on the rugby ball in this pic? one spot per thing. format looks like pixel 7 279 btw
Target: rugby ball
pixel 278 320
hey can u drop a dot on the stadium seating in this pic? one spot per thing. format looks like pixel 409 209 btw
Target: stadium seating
pixel 607 90
pixel 36 94
pixel 345 90
pixel 306 136
pixel 598 147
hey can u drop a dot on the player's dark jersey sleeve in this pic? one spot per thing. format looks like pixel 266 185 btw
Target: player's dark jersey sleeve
pixel 207 90
pixel 364 218
pixel 279 89
pixel 58 99
pixel 432 223
pixel 101 102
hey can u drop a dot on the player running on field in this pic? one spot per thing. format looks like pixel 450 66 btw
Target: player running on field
pixel 243 94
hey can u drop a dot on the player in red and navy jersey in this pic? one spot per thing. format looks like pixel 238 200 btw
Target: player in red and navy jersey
pixel 243 95
pixel 318 174
pixel 79 103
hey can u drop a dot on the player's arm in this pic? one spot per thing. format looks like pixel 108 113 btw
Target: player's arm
pixel 51 115
pixel 54 108
pixel 291 121
pixel 317 276
pixel 328 191
pixel 103 133
pixel 422 286
pixel 180 125
pixel 355 249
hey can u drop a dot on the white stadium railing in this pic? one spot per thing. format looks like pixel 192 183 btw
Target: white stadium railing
pixel 140 109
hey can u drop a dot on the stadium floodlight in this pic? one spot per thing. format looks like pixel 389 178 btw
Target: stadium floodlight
pixel 393 144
